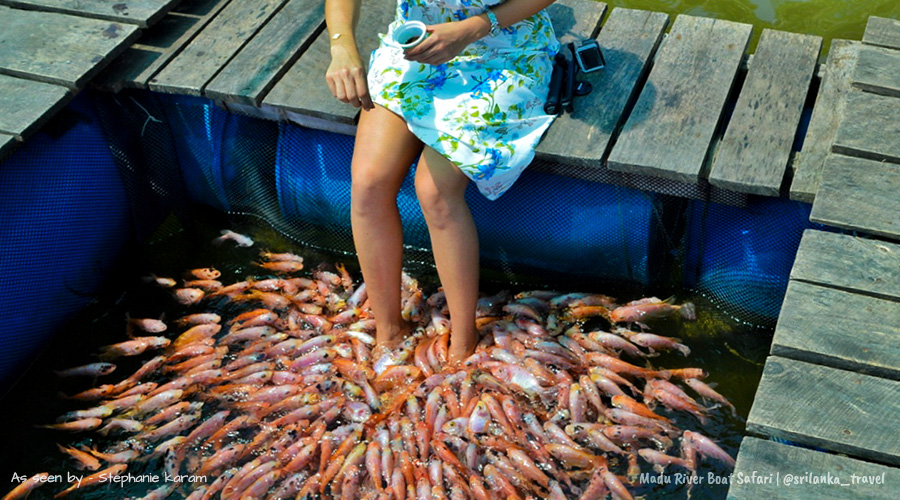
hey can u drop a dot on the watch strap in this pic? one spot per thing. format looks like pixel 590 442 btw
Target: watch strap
pixel 495 24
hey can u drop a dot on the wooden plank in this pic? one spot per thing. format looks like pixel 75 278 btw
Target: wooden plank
pixel 859 194
pixel 58 48
pixel 878 71
pixel 839 329
pixel 302 89
pixel 849 263
pixel 139 64
pixel 265 58
pixel 754 153
pixel 826 116
pixel 25 104
pixel 870 128
pixel 628 40
pixel 7 144
pixel 882 31
pixel 575 20
pixel 766 469
pixel 828 408
pixel 168 32
pixel 671 128
pixel 213 47
pixel 143 13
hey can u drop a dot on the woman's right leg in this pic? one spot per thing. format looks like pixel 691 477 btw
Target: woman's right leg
pixel 384 150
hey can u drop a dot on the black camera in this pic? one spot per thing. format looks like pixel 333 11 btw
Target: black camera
pixel 589 56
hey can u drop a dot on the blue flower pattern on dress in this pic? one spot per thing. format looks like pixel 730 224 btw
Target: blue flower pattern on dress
pixel 483 110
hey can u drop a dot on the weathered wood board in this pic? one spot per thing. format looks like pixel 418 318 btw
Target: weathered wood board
pixel 628 40
pixel 826 116
pixel 58 48
pixel 871 127
pixel 671 128
pixel 135 67
pixel 213 47
pixel 878 71
pixel 762 470
pixel 143 13
pixel 882 31
pixel 839 329
pixel 859 194
pixel 575 20
pixel 25 104
pixel 303 90
pixel 7 144
pixel 828 408
pixel 849 263
pixel 265 58
pixel 167 32
pixel 754 153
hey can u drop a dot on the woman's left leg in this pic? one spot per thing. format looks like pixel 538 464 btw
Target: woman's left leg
pixel 441 188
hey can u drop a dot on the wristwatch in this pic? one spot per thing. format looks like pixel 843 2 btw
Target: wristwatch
pixel 495 24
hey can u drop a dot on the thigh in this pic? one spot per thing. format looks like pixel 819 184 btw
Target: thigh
pixel 436 176
pixel 384 149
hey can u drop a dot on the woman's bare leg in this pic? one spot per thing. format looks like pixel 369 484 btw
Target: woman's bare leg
pixel 384 151
pixel 441 188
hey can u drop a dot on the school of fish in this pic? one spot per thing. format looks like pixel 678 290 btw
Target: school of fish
pixel 284 396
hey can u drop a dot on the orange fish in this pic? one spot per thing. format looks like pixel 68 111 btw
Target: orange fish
pixel 23 489
pixel 99 477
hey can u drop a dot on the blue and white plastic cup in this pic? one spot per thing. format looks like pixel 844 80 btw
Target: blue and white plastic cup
pixel 408 34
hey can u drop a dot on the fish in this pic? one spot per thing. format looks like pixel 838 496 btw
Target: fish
pixel 89 370
pixel 229 235
pixel 708 392
pixel 651 308
pixel 189 296
pixel 278 390
pixel 99 477
pixel 81 425
pixel 149 325
pixel 26 487
pixel 205 273
pixel 133 347
pixel 281 266
pixel 706 447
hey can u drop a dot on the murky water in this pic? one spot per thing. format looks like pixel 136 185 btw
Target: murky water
pixel 733 355
pixel 826 18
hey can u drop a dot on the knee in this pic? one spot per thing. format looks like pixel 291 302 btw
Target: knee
pixel 438 206
pixel 369 193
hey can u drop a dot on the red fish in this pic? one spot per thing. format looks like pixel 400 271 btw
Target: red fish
pixel 229 235
pixel 650 308
pixel 91 370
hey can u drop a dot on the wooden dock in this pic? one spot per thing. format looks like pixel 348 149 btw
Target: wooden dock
pixel 51 49
pixel 834 371
pixel 681 108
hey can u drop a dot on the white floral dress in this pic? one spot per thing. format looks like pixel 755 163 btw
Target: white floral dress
pixel 484 110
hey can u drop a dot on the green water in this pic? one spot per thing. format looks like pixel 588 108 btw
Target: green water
pixel 829 19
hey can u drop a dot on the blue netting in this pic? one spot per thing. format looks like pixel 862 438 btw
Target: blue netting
pixel 198 130
pixel 63 219
pixel 65 212
pixel 544 221
pixel 741 258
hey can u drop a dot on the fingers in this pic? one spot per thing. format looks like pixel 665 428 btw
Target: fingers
pixel 349 85
pixel 362 92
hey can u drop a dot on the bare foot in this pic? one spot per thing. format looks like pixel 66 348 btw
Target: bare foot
pixel 385 353
pixel 460 349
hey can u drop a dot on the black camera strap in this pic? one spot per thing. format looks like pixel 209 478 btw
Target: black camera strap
pixel 564 86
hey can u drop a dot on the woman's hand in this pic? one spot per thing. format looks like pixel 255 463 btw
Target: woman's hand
pixel 346 77
pixel 446 40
